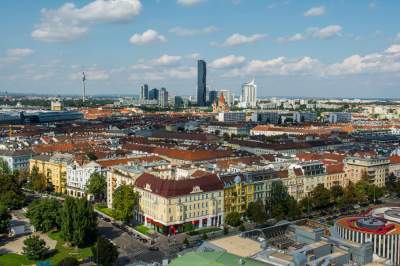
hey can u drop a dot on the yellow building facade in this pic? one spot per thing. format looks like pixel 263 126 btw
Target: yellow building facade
pixel 238 194
pixel 53 168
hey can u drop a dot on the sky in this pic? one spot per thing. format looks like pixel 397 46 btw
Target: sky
pixel 336 48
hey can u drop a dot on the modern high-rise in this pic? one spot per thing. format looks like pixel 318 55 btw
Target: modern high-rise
pixel 249 94
pixel 144 92
pixel 201 83
pixel 153 94
pixel 163 98
pixel 213 96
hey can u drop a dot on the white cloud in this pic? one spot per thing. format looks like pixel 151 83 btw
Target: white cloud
pixel 387 61
pixel 166 60
pixel 315 11
pixel 19 52
pixel 227 61
pixel 189 2
pixel 393 49
pixel 181 31
pixel 277 66
pixel 294 38
pixel 238 39
pixel 69 22
pixel 15 54
pixel 182 72
pixel 326 32
pixel 149 36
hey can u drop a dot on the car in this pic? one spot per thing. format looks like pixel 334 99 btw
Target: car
pixel 154 248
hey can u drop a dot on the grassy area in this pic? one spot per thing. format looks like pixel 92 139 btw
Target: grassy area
pixel 12 259
pixel 103 208
pixel 143 229
pixel 204 230
pixel 62 251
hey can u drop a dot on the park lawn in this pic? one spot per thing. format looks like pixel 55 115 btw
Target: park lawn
pixel 63 251
pixel 103 208
pixel 143 229
pixel 204 231
pixel 60 253
pixel 12 259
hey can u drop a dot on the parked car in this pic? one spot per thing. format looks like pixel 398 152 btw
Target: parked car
pixel 154 248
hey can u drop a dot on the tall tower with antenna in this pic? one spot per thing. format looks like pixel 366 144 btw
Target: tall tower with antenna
pixel 84 87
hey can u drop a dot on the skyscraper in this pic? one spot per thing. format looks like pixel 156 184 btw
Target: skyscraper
pixel 213 96
pixel 144 92
pixel 163 99
pixel 153 94
pixel 249 94
pixel 201 83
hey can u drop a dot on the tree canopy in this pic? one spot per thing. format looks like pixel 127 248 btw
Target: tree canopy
pixel 44 214
pixel 11 194
pixel 97 185
pixel 104 252
pixel 78 221
pixel 125 199
pixel 34 248
pixel 233 219
pixel 5 218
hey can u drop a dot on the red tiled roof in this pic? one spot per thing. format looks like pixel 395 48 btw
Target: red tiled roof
pixel 173 188
pixel 187 155
pixel 394 159
pixel 335 168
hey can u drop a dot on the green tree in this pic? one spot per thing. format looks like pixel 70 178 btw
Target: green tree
pixel 336 193
pixel 4 169
pixel 78 221
pixel 97 185
pixel 5 218
pixel 34 248
pixel 350 196
pixel 280 204
pixel 11 194
pixel 233 219
pixel 125 199
pixel 38 181
pixel 256 212
pixel 104 252
pixel 306 204
pixel 44 214
pixel 293 208
pixel 321 197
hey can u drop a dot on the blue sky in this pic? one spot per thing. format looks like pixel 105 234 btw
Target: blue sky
pixel 336 48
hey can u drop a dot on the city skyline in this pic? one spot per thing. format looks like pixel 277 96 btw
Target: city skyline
pixel 313 48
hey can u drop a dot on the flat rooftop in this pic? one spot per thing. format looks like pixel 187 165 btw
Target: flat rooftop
pixel 239 246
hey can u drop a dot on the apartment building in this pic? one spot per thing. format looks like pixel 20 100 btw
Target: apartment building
pixel 121 175
pixel 78 176
pixel 169 202
pixel 54 168
pixel 374 169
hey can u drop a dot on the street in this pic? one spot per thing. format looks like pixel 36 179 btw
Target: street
pixel 130 249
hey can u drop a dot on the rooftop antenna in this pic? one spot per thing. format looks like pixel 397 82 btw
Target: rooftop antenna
pixel 84 87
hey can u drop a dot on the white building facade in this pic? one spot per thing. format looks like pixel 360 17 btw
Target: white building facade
pixel 78 177
pixel 249 94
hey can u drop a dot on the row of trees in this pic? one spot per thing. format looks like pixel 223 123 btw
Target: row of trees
pixel 11 195
pixel 75 218
pixel 280 205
